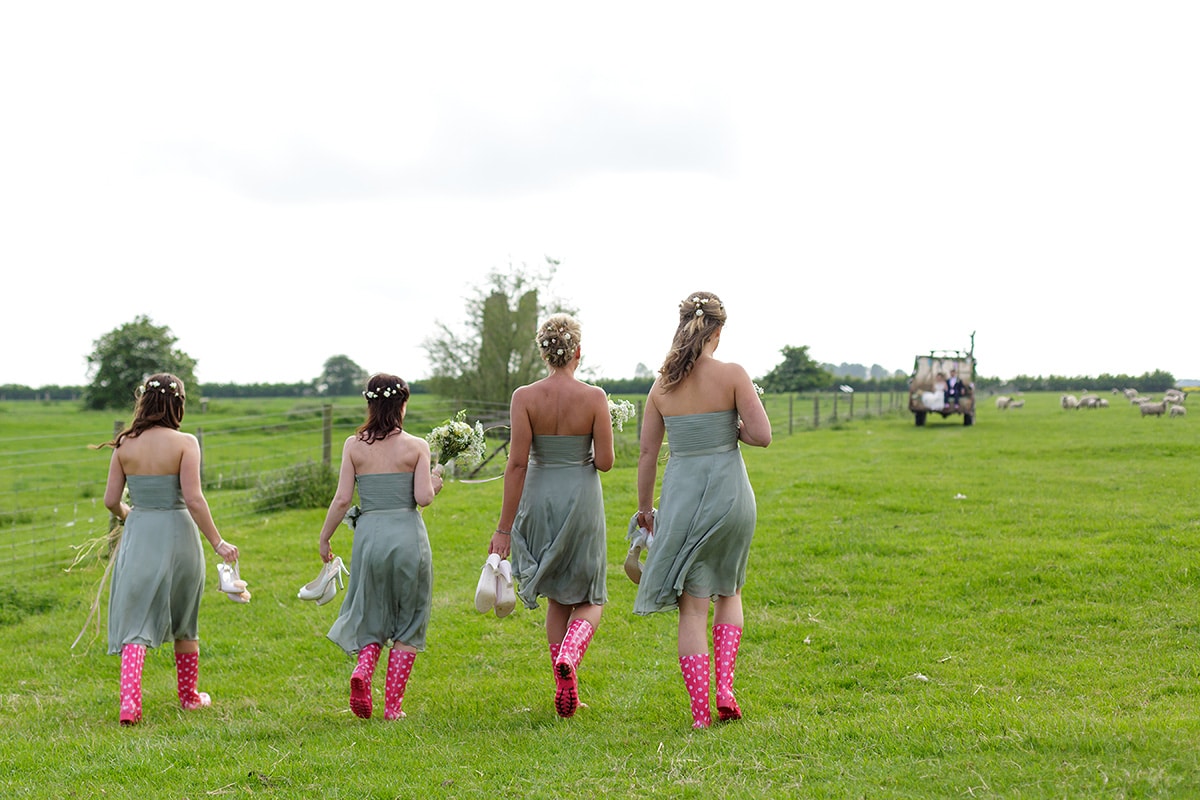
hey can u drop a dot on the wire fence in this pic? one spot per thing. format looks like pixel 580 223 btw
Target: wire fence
pixel 52 498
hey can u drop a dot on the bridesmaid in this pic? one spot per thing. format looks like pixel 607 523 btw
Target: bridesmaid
pixel 552 516
pixel 705 520
pixel 158 574
pixel 390 594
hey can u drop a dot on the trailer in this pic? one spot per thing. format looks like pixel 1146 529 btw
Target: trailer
pixel 928 391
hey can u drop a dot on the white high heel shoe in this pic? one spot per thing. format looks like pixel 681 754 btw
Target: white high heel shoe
pixel 230 582
pixel 323 587
pixel 506 597
pixel 639 540
pixel 485 590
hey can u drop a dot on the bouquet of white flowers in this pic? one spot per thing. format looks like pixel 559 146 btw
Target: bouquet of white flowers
pixel 455 440
pixel 621 411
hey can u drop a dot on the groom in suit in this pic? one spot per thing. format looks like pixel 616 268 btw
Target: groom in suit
pixel 954 390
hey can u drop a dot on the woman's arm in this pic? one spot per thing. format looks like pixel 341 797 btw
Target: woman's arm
pixel 426 482
pixel 603 455
pixel 520 441
pixel 197 505
pixel 653 430
pixel 755 429
pixel 340 504
pixel 115 488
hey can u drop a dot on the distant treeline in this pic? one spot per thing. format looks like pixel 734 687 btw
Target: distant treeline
pixel 1147 383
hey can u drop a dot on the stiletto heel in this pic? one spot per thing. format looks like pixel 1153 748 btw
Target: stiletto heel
pixel 334 585
pixel 485 590
pixel 231 583
pixel 323 587
pixel 639 540
pixel 506 598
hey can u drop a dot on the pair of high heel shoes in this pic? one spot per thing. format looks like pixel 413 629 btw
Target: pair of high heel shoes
pixel 495 587
pixel 323 587
pixel 230 582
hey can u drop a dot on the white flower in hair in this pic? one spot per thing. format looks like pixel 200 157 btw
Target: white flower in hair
pixel 699 312
pixel 559 351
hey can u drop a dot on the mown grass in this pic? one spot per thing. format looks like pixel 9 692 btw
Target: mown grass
pixel 1003 610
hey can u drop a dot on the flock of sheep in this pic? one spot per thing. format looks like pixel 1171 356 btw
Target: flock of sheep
pixel 1171 404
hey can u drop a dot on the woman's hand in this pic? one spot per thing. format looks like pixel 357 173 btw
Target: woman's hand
pixel 326 551
pixel 436 475
pixel 226 551
pixel 501 544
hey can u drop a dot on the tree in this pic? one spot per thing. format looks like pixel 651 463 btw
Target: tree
pixel 341 376
pixel 126 356
pixel 796 373
pixel 496 352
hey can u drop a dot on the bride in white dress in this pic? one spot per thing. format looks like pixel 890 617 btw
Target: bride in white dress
pixel 935 400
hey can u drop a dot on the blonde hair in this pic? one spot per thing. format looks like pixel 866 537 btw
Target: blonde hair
pixel 557 339
pixel 701 314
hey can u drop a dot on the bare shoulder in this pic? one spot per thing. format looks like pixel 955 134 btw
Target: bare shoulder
pixel 594 392
pixel 412 440
pixel 523 394
pixel 733 369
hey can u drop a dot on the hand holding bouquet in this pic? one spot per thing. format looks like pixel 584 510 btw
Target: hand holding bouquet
pixel 455 440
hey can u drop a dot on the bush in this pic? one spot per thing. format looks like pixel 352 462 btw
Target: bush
pixel 309 485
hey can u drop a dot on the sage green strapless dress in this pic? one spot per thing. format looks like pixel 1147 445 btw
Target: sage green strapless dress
pixel 389 595
pixel 706 516
pixel 558 547
pixel 158 574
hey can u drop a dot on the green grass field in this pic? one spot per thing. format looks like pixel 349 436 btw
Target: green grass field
pixel 1009 609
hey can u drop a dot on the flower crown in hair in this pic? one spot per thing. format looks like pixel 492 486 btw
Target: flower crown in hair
pixel 387 391
pixel 152 385
pixel 700 303
pixel 551 340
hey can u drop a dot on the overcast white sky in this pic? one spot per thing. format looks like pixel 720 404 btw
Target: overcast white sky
pixel 280 182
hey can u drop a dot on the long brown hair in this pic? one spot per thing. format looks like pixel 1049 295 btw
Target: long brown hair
pixel 386 396
pixel 701 314
pixel 159 404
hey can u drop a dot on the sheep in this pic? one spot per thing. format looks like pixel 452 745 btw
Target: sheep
pixel 1089 401
pixel 1070 401
pixel 1017 404
pixel 1174 396
pixel 1155 409
pixel 1002 402
pixel 1178 411
pixel 1131 393
pixel 1102 403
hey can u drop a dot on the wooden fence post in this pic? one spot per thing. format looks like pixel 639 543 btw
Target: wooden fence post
pixel 791 413
pixel 816 410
